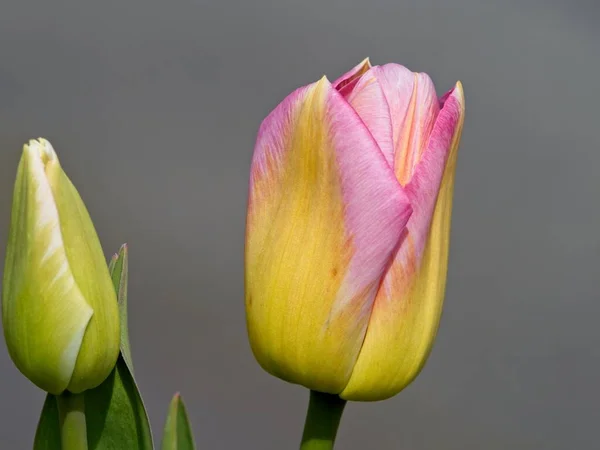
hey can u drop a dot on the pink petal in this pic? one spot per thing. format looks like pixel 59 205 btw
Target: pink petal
pixel 377 208
pixel 369 102
pixel 397 84
pixel 346 82
pixel 425 183
pixel 413 106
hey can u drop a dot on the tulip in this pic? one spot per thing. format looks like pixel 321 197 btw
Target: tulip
pixel 59 307
pixel 347 234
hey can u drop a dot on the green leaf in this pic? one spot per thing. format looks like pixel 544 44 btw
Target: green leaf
pixel 111 264
pixel 120 277
pixel 178 433
pixel 47 435
pixel 115 414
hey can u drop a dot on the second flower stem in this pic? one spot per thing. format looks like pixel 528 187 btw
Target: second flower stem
pixel 322 421
pixel 71 411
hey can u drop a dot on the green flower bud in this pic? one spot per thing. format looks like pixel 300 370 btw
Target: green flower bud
pixel 59 307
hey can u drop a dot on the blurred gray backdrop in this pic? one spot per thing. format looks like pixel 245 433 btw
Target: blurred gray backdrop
pixel 153 108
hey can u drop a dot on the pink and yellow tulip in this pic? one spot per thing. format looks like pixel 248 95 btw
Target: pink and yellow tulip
pixel 348 228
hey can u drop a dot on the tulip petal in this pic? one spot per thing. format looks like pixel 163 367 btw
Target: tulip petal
pixel 346 82
pixel 324 214
pixel 43 336
pixel 369 102
pixel 100 346
pixel 413 106
pixel 408 305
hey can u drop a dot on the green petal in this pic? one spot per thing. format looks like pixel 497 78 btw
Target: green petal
pixel 100 346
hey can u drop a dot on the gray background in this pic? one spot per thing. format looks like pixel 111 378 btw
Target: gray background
pixel 153 108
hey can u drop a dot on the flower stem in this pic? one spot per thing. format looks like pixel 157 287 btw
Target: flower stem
pixel 322 421
pixel 71 411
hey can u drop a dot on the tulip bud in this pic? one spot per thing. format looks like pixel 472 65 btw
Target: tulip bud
pixel 59 307
pixel 348 228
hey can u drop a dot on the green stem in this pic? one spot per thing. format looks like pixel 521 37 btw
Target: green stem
pixel 71 411
pixel 322 421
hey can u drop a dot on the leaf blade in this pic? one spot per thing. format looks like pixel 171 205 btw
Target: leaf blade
pixel 178 432
pixel 120 277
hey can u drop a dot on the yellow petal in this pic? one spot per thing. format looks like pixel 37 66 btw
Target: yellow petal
pixel 324 214
pixel 408 306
